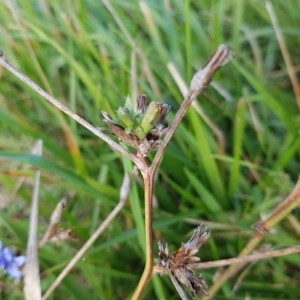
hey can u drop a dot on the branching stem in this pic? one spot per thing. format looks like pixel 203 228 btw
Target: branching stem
pixel 200 80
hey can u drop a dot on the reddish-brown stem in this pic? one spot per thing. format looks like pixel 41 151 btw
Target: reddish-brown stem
pixel 199 82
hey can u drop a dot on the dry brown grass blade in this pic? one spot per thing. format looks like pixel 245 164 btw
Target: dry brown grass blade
pixel 32 288
pixel 283 209
pixel 284 51
pixel 124 192
pixel 247 259
pixel 54 221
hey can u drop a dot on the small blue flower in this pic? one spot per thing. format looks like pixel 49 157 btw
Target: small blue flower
pixel 10 263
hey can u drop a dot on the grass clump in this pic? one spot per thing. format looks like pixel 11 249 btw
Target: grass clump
pixel 233 160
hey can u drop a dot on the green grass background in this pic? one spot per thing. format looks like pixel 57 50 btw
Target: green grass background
pixel 79 53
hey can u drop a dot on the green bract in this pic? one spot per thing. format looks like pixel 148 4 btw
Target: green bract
pixel 140 125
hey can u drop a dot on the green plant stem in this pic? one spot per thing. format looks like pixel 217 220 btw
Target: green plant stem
pixel 148 177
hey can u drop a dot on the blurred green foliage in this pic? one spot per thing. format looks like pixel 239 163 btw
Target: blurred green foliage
pixel 91 59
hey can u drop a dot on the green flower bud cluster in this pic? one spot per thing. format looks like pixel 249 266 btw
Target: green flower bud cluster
pixel 139 124
pixel 143 117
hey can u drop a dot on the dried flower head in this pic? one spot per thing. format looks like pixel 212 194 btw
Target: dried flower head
pixel 140 125
pixel 180 264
